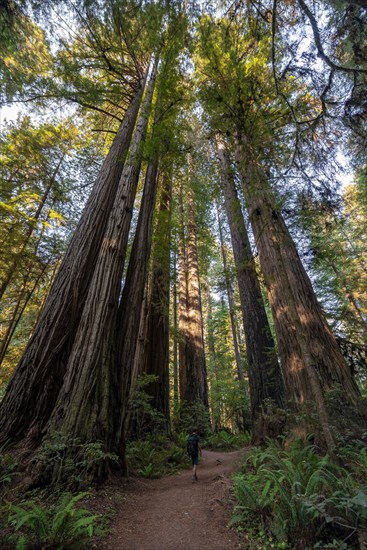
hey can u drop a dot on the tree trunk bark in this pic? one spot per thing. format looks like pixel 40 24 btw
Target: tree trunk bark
pixel 182 301
pixel 215 400
pixel 175 336
pixel 265 376
pixel 34 387
pixel 197 387
pixel 132 298
pixel 89 403
pixel 231 302
pixel 311 358
pixel 157 336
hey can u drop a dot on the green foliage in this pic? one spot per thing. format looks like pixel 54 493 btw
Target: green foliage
pixel 337 234
pixel 156 456
pixel 42 189
pixel 144 418
pixel 7 465
pixel 71 463
pixel 299 497
pixel 191 415
pixel 61 526
pixel 230 402
pixel 224 441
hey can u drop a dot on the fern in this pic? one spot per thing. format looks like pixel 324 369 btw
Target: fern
pixel 298 494
pixel 63 526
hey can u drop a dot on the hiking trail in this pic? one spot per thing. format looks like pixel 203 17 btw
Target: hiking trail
pixel 174 513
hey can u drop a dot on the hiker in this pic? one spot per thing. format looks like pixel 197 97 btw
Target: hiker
pixel 193 450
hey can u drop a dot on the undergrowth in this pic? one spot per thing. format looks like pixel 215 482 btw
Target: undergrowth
pixel 59 524
pixel 156 456
pixel 7 465
pixel 297 498
pixel 224 441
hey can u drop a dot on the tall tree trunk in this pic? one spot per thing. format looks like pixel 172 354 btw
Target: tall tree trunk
pixel 89 403
pixel 197 387
pixel 231 302
pixel 139 358
pixel 175 335
pixel 157 337
pixel 311 358
pixel 182 301
pixel 132 298
pixel 34 387
pixel 215 402
pixel 265 377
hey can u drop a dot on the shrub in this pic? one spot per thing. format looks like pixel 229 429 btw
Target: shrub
pixel 144 418
pixel 299 497
pixel 69 463
pixel 224 441
pixel 7 465
pixel 156 456
pixel 189 415
pixel 62 526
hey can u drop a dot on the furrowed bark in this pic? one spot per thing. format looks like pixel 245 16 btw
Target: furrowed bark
pixel 197 387
pixel 265 376
pixel 132 298
pixel 34 387
pixel 89 404
pixel 311 358
pixel 157 335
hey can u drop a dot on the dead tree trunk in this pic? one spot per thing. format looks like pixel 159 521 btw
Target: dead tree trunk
pixel 34 387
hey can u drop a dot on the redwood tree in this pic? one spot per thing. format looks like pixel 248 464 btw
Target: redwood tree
pixel 89 404
pixel 265 376
pixel 157 332
pixel 36 382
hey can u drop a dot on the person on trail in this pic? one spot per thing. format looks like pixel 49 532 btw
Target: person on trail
pixel 193 450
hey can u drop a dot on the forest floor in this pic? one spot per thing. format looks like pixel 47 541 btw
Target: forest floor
pixel 174 513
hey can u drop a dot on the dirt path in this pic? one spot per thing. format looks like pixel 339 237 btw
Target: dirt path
pixel 173 513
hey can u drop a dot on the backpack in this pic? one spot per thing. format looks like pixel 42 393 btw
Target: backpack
pixel 192 445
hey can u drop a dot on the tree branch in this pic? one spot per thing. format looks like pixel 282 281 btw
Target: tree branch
pixel 319 46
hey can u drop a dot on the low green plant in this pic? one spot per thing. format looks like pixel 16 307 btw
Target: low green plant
pixel 156 456
pixel 62 526
pixel 299 497
pixel 148 471
pixel 145 420
pixel 7 465
pixel 224 441
pixel 70 463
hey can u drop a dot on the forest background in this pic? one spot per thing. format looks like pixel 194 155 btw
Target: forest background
pixel 178 243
